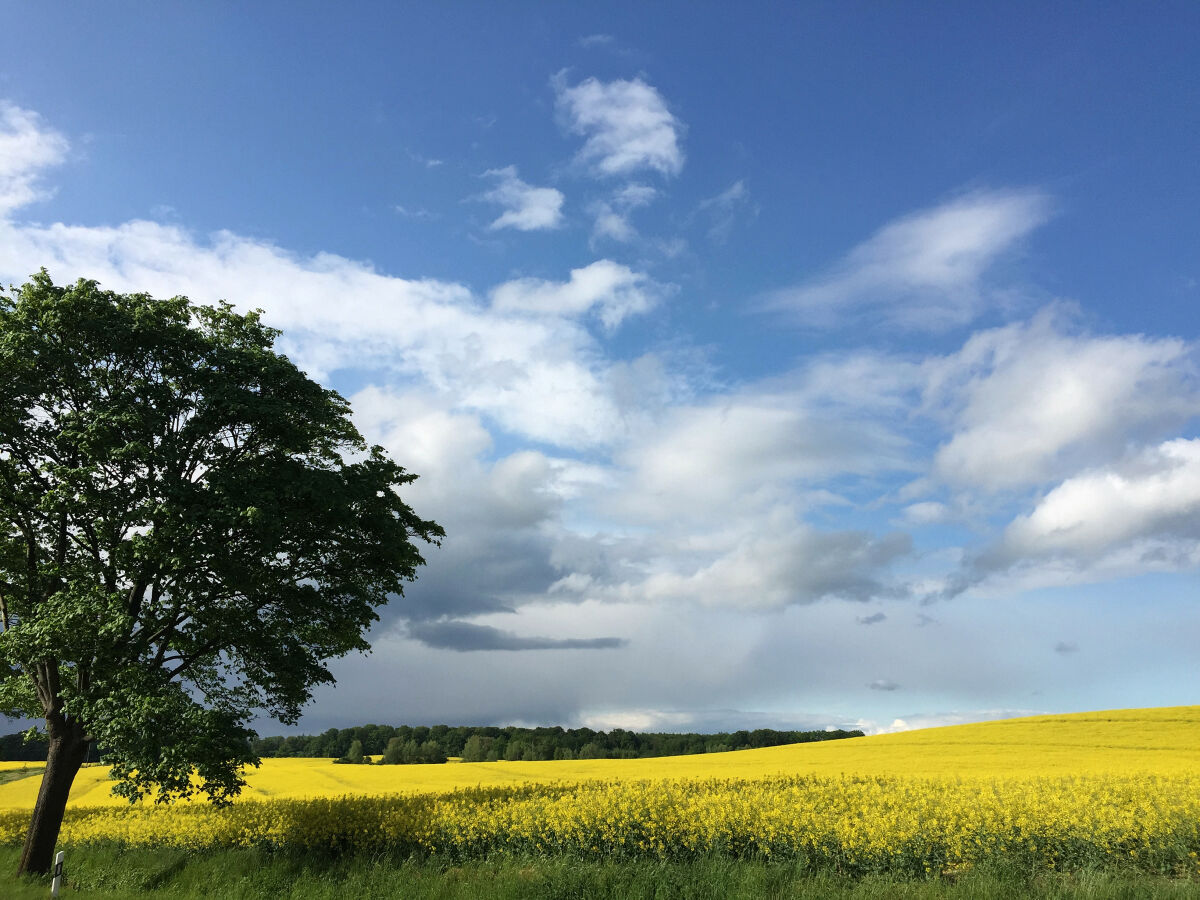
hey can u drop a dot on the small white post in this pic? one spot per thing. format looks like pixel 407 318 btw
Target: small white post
pixel 57 882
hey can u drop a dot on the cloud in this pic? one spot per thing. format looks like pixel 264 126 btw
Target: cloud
pixel 924 272
pixel 541 378
pixel 872 619
pixel 503 514
pixel 596 40
pixel 612 215
pixel 723 209
pixel 27 147
pixel 941 720
pixel 882 684
pixel 626 124
pixel 466 636
pixel 1150 501
pixel 529 208
pixel 773 564
pixel 1030 402
pixel 614 290
pixel 741 451
pixel 1066 647
pixel 927 512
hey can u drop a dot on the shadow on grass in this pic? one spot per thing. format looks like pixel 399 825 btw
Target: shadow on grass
pixel 112 873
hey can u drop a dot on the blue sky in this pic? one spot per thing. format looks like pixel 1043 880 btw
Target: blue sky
pixel 770 365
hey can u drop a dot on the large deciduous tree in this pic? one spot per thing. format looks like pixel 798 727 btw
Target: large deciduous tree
pixel 190 528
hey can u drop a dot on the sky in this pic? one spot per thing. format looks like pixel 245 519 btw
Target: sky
pixel 768 365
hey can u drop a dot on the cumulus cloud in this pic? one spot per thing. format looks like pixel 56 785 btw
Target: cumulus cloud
pixel 626 125
pixel 527 208
pixel 540 378
pixel 924 271
pixel 27 146
pixel 1150 502
pixel 467 636
pixel 613 290
pixel 1032 401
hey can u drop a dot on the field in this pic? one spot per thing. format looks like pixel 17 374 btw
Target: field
pixel 1114 792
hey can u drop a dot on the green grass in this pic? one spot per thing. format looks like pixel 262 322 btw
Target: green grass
pixel 17 774
pixel 250 875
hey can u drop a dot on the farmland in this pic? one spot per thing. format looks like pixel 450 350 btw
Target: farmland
pixel 1115 791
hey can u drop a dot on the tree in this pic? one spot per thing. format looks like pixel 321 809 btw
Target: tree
pixel 189 529
pixel 354 756
pixel 476 748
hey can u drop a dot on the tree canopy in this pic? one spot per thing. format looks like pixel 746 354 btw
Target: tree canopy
pixel 190 527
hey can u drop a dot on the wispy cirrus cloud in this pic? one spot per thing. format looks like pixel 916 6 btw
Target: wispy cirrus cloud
pixel 626 125
pixel 923 272
pixel 723 210
pixel 528 208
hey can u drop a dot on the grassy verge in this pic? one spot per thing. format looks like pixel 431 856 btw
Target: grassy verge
pixel 249 875
pixel 17 774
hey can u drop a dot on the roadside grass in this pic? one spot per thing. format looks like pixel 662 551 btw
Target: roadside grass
pixel 7 775
pixel 112 873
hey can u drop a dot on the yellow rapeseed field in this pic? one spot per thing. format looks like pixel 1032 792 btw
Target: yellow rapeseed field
pixel 1117 788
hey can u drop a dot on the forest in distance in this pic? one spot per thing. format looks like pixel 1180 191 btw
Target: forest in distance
pixel 425 744
pixel 436 743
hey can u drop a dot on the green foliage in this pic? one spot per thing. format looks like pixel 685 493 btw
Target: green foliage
pixel 354 756
pixel 479 743
pixel 189 529
pixel 477 747
pixel 109 873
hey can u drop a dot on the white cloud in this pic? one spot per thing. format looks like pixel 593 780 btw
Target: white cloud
pixel 722 210
pixel 942 720
pixel 612 215
pixel 1030 403
pixel 27 146
pixel 744 450
pixel 616 291
pixel 1151 500
pixel 924 271
pixel 529 208
pixel 626 124
pixel 540 378
pixel 927 512
pixel 596 40
pixel 781 565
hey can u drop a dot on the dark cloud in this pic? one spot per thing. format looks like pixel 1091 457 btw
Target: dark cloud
pixel 466 636
pixel 872 619
pixel 476 572
pixel 883 684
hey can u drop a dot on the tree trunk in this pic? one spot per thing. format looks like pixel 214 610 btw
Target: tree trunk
pixel 68 749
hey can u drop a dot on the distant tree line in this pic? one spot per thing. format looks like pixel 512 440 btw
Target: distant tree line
pixel 434 744
pixel 15 748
